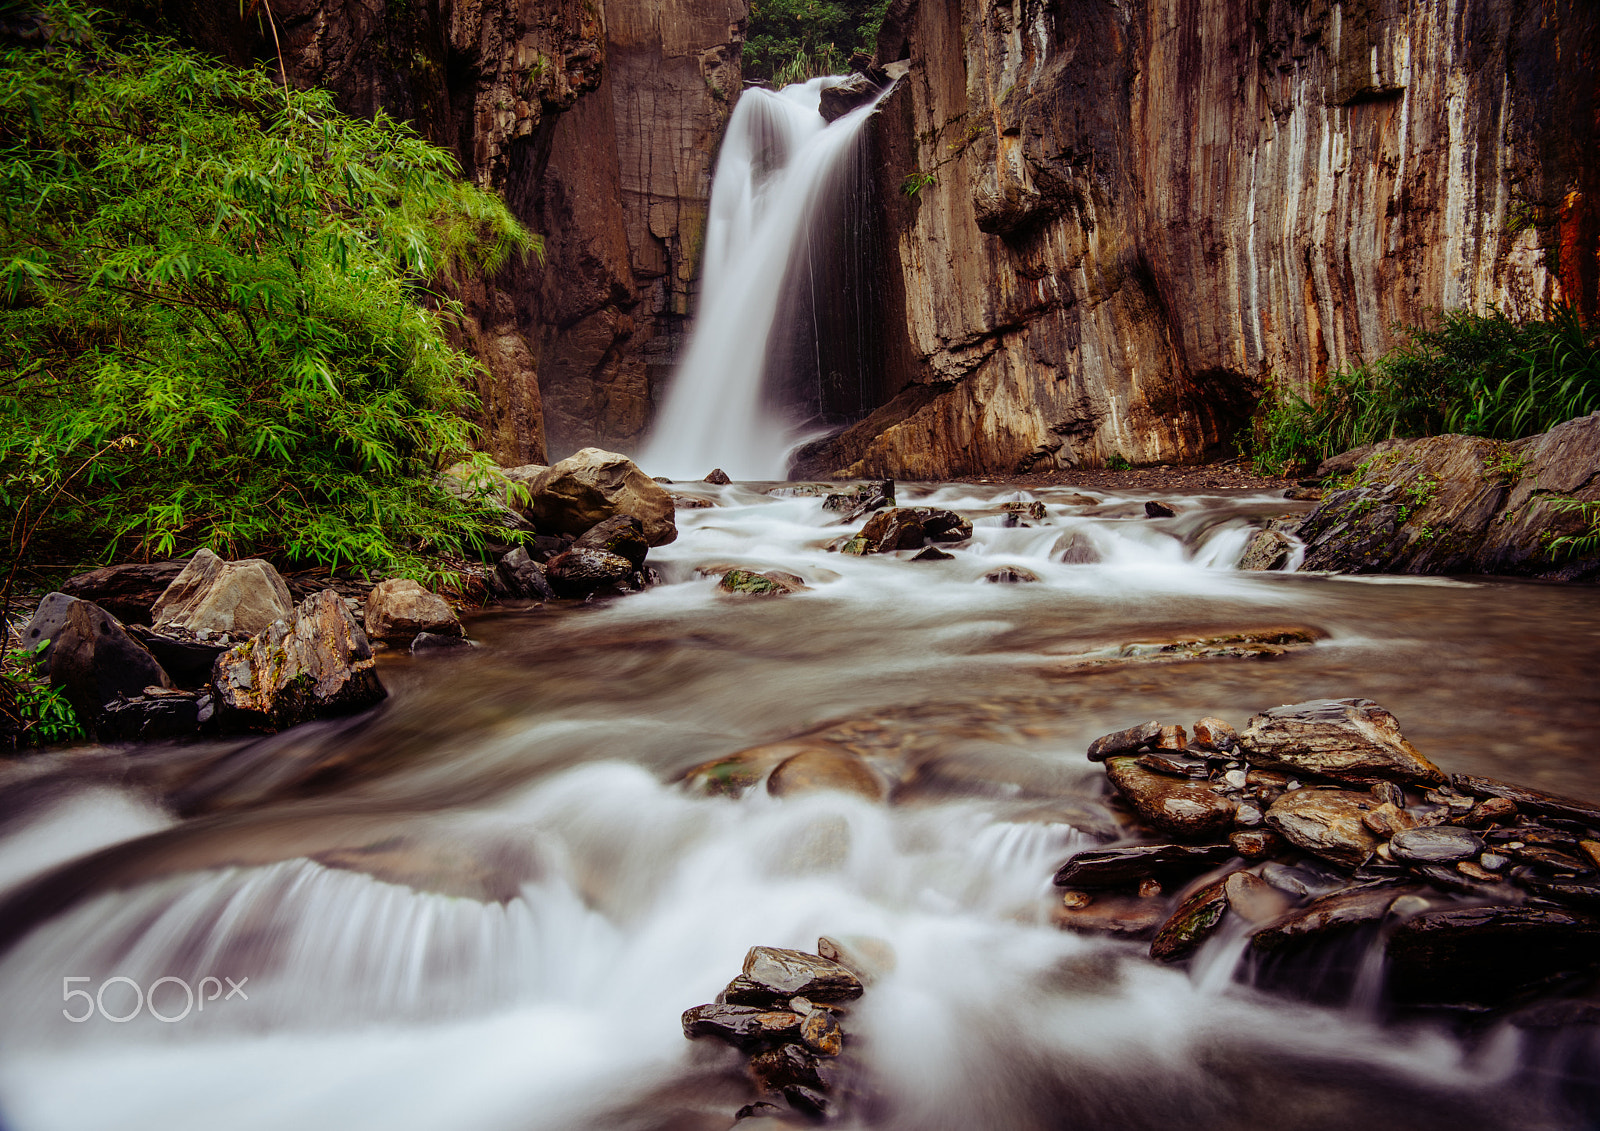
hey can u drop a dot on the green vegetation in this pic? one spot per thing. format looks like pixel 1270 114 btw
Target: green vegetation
pixel 916 182
pixel 1118 462
pixel 794 40
pixel 32 713
pixel 1583 542
pixel 1478 374
pixel 218 325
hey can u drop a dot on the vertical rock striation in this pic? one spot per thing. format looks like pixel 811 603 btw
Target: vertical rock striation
pixel 1116 221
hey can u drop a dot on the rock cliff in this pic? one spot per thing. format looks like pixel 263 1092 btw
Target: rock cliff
pixel 1114 222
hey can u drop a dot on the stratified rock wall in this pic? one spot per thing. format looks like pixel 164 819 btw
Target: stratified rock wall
pixel 1116 221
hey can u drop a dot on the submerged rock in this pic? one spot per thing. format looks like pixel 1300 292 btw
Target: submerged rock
pixel 399 609
pixel 933 554
pixel 867 958
pixel 774 583
pixel 1326 823
pixel 1352 740
pixel 860 500
pixel 1118 916
pixel 315 662
pixel 1171 804
pixel 586 488
pixel 212 595
pixel 811 771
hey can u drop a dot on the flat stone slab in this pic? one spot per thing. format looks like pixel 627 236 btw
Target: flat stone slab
pixel 1352 740
pixel 1112 867
pixel 794 973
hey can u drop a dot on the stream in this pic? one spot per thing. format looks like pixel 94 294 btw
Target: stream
pixel 485 903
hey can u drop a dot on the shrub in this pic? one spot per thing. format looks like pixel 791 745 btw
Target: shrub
pixel 216 321
pixel 795 40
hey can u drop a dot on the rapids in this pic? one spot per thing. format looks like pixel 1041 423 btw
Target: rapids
pixel 485 903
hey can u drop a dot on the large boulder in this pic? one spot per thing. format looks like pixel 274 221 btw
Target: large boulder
pixel 128 592
pixel 95 661
pixel 315 662
pixel 582 572
pixel 1173 805
pixel 525 576
pixel 211 595
pixel 1351 740
pixel 622 535
pixel 593 485
pixel 400 608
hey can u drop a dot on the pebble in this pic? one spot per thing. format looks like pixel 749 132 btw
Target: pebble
pixel 1493 861
pixel 1076 899
pixel 1148 888
pixel 1248 816
pixel 1235 779
pixel 1468 868
pixel 1440 844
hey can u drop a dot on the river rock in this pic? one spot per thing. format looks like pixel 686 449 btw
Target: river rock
pixel 622 535
pixel 1268 550
pixel 439 642
pixel 1153 509
pixel 1326 823
pixel 891 530
pixel 785 1067
pixel 1113 867
pixel 746 583
pixel 315 662
pixel 821 1033
pixel 524 576
pixel 579 573
pixel 400 608
pixel 186 658
pixel 1141 737
pixel 1530 800
pixel 1332 912
pixel 1254 900
pixel 45 627
pixel 94 661
pixel 812 771
pixel 1352 740
pixel 744 1026
pixel 1484 954
pixel 1212 733
pixel 776 975
pixel 593 485
pixel 1438 844
pixel 860 500
pixel 932 554
pixel 718 477
pixel 852 92
pixel 212 595
pixel 1010 575
pixel 1195 919
pixel 1256 844
pixel 155 715
pixel 1117 916
pixel 1020 510
pixel 128 592
pixel 1173 805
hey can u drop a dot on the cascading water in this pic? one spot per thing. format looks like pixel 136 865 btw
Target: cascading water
pixel 778 163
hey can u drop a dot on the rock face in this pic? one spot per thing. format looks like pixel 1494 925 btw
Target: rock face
pixel 591 486
pixel 1344 739
pixel 400 608
pixel 315 662
pixel 1108 222
pixel 1459 504
pixel 215 596
pixel 578 573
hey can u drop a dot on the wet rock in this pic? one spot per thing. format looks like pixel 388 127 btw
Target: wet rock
pixel 1141 737
pixel 891 530
pixel 744 583
pixel 1388 793
pixel 46 624
pixel 1530 800
pixel 1308 879
pixel 853 92
pixel 1551 859
pixel 315 662
pixel 1331 912
pixel 1177 807
pixel 1386 819
pixel 786 1066
pixel 1215 734
pixel 1150 888
pixel 1153 509
pixel 1007 575
pixel 1256 844
pixel 1189 926
pixel 94 661
pixel 1440 844
pixel 622 535
pixel 400 608
pixel 1254 900
pixel 1489 812
pixel 525 577
pixel 1474 871
pixel 1113 867
pixel 239 598
pixel 821 1033
pixel 867 958
pixel 1075 548
pixel 1304 494
pixel 1326 823
pixel 156 715
pixel 692 503
pixel 1352 740
pixel 812 771
pixel 1020 510
pixel 1117 916
pixel 186 658
pixel 580 573
pixel 933 554
pixel 743 1026
pixel 1580 893
pixel 1268 550
pixel 1591 849
pixel 781 974
pixel 1485 954
pixel 857 501
pixel 719 477
pixel 593 485
pixel 1190 768
pixel 128 592
pixel 1171 738
pixel 437 642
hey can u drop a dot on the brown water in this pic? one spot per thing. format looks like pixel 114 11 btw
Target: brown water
pixel 485 903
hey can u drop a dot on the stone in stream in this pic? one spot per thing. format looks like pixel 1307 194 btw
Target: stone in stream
pixel 1439 844
pixel 45 627
pixel 1326 823
pixel 212 595
pixel 1211 733
pixel 1332 912
pixel 1153 509
pixel 786 1066
pixel 1175 806
pixel 1490 811
pixel 812 771
pixel 1268 550
pixel 439 642
pixel 1485 954
pixel 1117 916
pixel 1141 737
pixel 398 609
pixel 1385 820
pixel 775 975
pixel 1254 900
pixel 128 592
pixel 1190 925
pixel 846 95
pixel 593 485
pixel 1352 740
pixel 744 1026
pixel 1114 867
pixel 316 662
pixel 1529 800
pixel 524 576
pixel 1021 510
pixel 718 477
pixel 1582 893
pixel 158 714
pixel 1387 793
pixel 1256 844
pixel 933 554
pixel 622 535
pixel 746 583
pixel 1010 575
pixel 1310 878
pixel 821 1033
pixel 94 661
pixel 1550 859
pixel 1079 500
pixel 187 659
pixel 579 573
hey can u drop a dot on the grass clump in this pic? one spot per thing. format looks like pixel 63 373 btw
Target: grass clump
pixel 1477 374
pixel 217 321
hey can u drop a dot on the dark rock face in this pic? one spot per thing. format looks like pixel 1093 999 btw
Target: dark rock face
pixel 95 661
pixel 186 659
pixel 128 592
pixel 151 717
pixel 1485 953
pixel 525 577
pixel 578 573
pixel 1153 509
pixel 855 91
pixel 1459 504
pixel 622 535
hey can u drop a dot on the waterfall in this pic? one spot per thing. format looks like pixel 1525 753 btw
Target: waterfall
pixel 778 164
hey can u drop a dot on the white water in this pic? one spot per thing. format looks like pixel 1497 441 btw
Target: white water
pixel 776 163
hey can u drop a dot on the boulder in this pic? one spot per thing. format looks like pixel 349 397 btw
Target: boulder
pixel 774 583
pixel 812 771
pixel 593 485
pixel 1020 510
pixel 784 974
pixel 821 1033
pixel 908 528
pixel 155 715
pixel 44 628
pixel 838 100
pixel 1352 740
pixel 579 573
pixel 1114 867
pixel 128 592
pixel 1327 823
pixel 1485 954
pixel 315 662
pixel 718 477
pixel 622 535
pixel 524 576
pixel 1173 805
pixel 1267 550
pixel 212 595
pixel 94 661
pixel 398 609
pixel 743 1026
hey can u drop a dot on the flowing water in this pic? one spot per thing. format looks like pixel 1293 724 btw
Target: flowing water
pixel 485 903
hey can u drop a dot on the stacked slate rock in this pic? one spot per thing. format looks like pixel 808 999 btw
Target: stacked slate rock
pixel 786 1013
pixel 1321 818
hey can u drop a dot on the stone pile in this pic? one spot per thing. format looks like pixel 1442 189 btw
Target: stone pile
pixel 1320 817
pixel 786 1012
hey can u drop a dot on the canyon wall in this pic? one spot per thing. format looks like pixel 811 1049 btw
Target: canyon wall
pixel 1116 220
